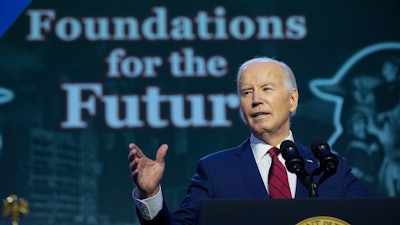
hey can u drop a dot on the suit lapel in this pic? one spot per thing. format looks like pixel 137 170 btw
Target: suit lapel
pixel 247 167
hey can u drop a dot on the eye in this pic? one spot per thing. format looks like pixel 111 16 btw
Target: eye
pixel 246 92
pixel 267 88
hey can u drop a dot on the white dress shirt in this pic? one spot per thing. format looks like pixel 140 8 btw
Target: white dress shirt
pixel 264 160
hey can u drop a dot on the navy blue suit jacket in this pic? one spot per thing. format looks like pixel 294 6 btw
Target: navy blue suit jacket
pixel 233 174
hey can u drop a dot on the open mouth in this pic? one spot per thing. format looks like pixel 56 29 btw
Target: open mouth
pixel 258 114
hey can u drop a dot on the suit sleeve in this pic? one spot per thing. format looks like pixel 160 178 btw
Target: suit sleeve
pixel 188 212
pixel 353 187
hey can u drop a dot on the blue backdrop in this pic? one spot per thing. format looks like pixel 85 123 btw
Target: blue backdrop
pixel 80 80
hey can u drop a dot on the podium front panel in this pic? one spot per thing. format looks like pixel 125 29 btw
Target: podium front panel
pixel 316 211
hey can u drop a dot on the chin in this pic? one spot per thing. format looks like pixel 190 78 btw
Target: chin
pixel 260 129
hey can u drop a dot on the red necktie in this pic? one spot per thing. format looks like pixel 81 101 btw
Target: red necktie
pixel 278 184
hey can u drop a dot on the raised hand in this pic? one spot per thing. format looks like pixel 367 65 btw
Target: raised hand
pixel 146 173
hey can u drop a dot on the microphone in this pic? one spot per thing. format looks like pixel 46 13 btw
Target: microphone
pixel 293 161
pixel 327 160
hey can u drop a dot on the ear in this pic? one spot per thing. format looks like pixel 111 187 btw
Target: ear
pixel 294 99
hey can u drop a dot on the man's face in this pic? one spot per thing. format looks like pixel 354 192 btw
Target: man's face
pixel 265 102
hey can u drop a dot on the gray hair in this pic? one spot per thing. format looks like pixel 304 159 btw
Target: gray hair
pixel 290 81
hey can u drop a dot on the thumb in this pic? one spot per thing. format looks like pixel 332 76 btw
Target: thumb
pixel 161 153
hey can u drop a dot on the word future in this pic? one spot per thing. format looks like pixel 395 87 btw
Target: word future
pixel 125 111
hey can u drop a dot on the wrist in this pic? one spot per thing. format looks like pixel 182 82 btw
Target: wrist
pixel 140 194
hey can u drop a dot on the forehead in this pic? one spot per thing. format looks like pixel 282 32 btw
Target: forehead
pixel 265 71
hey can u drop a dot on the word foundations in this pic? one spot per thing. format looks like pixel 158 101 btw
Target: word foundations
pixel 160 27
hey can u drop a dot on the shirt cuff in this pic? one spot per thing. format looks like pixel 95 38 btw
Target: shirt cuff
pixel 149 207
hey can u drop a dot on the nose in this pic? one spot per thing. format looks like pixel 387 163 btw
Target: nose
pixel 256 99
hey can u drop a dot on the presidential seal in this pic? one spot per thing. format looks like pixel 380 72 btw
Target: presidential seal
pixel 322 220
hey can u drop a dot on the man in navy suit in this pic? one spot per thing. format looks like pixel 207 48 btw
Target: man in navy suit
pixel 268 98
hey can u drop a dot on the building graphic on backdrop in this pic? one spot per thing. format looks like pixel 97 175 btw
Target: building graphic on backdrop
pixel 366 93
pixel 62 178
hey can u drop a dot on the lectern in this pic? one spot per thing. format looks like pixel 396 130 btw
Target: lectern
pixel 313 211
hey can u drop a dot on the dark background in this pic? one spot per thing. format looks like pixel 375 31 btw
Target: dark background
pixel 81 176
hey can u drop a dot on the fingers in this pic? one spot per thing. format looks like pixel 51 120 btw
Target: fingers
pixel 134 172
pixel 134 160
pixel 161 153
pixel 135 150
pixel 136 153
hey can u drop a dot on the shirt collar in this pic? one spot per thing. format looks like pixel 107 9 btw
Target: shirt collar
pixel 260 148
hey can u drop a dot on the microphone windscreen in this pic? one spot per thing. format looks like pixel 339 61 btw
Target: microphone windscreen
pixel 288 145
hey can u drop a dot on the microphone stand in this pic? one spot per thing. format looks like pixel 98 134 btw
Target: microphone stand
pixel 308 181
pixel 311 185
pixel 295 164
